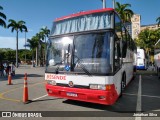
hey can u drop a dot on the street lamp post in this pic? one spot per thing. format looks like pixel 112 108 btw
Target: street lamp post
pixel 25 46
pixel 104 4
pixel 114 4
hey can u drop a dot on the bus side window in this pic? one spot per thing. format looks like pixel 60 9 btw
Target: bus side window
pixel 124 49
pixel 117 54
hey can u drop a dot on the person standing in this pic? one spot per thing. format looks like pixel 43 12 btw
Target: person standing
pixel 1 69
pixel 8 69
pixel 12 69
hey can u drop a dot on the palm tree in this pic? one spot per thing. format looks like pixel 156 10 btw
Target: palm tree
pixel 158 21
pixel 46 33
pixel 124 13
pixel 2 18
pixel 33 44
pixel 18 26
pixel 40 37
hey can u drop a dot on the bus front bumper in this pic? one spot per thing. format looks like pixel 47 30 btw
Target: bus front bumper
pixel 87 95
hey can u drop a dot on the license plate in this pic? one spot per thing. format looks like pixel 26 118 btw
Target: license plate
pixel 72 94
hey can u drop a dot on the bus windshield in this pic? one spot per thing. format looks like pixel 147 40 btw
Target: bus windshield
pixel 80 53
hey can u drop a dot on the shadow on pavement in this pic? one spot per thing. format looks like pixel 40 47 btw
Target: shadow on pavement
pixel 20 76
pixel 45 100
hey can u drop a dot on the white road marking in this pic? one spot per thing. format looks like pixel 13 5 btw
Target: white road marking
pixel 40 97
pixel 139 100
pixel 151 96
pixel 142 95
pixel 130 94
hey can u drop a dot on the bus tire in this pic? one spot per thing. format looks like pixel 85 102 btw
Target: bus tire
pixel 123 84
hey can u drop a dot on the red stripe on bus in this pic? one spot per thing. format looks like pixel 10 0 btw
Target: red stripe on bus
pixel 84 13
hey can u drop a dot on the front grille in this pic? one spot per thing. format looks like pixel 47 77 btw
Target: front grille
pixel 75 86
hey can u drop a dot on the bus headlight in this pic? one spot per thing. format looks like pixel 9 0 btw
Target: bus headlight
pixel 51 82
pixel 97 87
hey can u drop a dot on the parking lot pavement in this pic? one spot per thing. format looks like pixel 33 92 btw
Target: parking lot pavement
pixel 11 97
pixel 14 92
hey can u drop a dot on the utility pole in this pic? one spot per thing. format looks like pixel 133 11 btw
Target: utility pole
pixel 104 4
pixel 113 4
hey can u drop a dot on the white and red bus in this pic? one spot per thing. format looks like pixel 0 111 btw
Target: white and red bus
pixel 90 57
pixel 142 59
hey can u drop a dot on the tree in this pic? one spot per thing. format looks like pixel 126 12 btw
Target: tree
pixel 40 37
pixel 46 33
pixel 158 21
pixel 2 18
pixel 22 53
pixel 124 13
pixel 18 26
pixel 146 40
pixel 7 54
pixel 33 44
pixel 157 34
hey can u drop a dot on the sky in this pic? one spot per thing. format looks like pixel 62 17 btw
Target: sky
pixel 40 13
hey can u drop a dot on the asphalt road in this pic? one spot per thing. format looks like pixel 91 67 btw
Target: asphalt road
pixel 141 97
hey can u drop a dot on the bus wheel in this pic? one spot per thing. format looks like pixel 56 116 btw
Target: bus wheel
pixel 123 84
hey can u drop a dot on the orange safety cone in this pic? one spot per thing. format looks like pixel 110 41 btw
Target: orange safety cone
pixel 9 79
pixel 25 90
pixel 25 75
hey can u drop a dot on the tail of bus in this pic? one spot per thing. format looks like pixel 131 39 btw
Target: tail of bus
pixel 142 60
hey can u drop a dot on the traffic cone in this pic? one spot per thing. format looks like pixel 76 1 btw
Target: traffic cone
pixel 25 90
pixel 9 79
pixel 25 75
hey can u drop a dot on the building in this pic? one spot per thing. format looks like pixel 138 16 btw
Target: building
pixel 136 25
pixel 150 27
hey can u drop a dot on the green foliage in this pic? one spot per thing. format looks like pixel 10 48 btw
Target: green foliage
pixel 10 55
pixel 158 21
pixel 33 42
pixel 24 52
pixel 39 42
pixel 45 31
pixel 123 11
pixel 2 18
pixel 17 26
pixel 147 40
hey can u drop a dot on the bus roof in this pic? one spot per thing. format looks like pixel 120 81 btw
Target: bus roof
pixel 84 13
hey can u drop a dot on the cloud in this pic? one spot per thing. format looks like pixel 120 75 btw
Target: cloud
pixel 10 42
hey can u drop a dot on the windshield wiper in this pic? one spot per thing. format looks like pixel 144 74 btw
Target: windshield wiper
pixel 83 67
